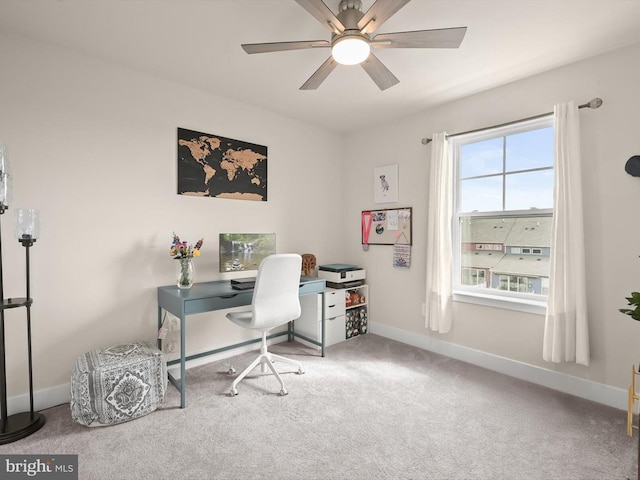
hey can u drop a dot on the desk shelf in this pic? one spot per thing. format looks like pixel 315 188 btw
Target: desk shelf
pixel 356 296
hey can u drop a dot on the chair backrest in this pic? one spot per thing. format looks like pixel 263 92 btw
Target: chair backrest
pixel 276 298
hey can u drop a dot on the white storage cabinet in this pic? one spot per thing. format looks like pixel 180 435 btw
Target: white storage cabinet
pixel 346 315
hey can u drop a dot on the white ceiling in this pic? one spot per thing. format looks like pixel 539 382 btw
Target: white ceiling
pixel 197 42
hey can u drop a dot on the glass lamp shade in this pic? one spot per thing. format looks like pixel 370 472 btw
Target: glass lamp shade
pixel 4 165
pixel 5 190
pixel 5 180
pixel 350 50
pixel 27 224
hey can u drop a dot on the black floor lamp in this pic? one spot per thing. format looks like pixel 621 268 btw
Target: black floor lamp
pixel 19 425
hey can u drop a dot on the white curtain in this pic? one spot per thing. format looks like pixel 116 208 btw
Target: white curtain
pixel 439 298
pixel 566 333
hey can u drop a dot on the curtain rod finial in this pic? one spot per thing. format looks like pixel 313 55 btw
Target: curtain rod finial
pixel 594 103
pixel 426 141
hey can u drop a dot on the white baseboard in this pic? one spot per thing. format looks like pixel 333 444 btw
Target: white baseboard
pixel 42 399
pixel 580 387
pixel 53 396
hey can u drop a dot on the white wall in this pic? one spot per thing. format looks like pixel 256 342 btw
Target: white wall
pixel 609 137
pixel 93 147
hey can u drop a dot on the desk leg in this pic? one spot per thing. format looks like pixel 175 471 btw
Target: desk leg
pixel 322 328
pixel 159 340
pixel 183 370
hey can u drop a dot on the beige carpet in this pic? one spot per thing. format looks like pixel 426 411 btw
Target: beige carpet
pixel 371 409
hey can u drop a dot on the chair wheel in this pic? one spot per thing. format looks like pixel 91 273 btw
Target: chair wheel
pixel 233 392
pixel 283 392
pixel 301 371
pixel 231 371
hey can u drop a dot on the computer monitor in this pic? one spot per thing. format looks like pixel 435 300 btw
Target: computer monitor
pixel 241 252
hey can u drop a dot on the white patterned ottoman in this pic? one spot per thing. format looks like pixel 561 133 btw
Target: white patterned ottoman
pixel 117 384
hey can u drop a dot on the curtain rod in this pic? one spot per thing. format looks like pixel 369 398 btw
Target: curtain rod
pixel 595 103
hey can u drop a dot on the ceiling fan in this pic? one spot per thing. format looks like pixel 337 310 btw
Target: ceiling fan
pixel 352 40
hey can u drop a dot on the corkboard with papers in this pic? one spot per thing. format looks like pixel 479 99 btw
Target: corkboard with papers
pixel 390 226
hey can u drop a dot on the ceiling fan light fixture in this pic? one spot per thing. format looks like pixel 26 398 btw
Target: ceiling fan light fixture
pixel 350 50
pixel 353 35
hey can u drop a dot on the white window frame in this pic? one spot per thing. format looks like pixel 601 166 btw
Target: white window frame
pixel 479 273
pixel 524 302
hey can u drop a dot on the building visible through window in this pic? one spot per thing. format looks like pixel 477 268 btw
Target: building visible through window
pixel 507 265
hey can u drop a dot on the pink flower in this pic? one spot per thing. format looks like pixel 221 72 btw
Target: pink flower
pixel 180 249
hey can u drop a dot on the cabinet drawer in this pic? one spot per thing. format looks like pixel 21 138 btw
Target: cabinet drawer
pixel 335 330
pixel 217 303
pixel 333 304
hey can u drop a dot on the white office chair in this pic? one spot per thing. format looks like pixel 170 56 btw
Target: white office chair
pixel 275 302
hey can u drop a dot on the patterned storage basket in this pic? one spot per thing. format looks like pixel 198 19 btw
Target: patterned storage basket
pixel 117 384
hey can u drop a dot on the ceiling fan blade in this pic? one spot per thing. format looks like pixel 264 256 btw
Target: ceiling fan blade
pixel 320 75
pixel 379 13
pixel 325 16
pixel 379 73
pixel 438 38
pixel 282 46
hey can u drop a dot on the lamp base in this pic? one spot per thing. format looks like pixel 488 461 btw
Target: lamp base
pixel 20 425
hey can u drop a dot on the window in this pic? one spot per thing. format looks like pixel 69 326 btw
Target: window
pixel 473 277
pixel 503 206
pixel 515 283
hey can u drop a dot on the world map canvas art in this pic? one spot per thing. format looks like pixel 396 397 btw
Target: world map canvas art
pixel 214 166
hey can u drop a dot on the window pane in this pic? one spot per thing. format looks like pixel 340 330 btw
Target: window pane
pixel 481 158
pixel 473 277
pixel 507 268
pixel 523 284
pixel 481 194
pixel 533 149
pixel 529 190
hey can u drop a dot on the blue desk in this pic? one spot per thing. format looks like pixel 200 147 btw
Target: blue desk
pixel 218 295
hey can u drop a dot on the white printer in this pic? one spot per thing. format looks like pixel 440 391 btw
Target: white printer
pixel 339 275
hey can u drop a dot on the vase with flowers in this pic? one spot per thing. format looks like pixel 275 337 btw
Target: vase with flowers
pixel 184 253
